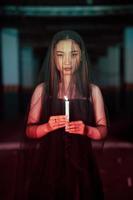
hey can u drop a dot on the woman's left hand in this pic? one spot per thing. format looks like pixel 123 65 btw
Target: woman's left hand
pixel 75 127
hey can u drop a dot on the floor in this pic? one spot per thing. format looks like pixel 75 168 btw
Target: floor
pixel 114 159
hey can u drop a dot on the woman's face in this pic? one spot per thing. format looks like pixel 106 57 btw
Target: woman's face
pixel 67 55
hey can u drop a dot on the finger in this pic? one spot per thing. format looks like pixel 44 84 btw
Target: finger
pixel 76 131
pixel 59 117
pixel 58 120
pixel 75 123
pixel 78 121
pixel 59 125
pixel 74 126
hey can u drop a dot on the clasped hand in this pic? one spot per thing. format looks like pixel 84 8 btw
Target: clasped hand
pixel 60 121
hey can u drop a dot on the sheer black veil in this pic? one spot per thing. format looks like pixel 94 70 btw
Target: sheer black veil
pixel 50 77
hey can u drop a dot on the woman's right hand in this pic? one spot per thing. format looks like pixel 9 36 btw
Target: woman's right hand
pixel 56 122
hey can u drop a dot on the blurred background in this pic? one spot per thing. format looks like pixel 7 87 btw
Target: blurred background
pixel 26 29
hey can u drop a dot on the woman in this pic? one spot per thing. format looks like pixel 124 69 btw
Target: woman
pixel 64 166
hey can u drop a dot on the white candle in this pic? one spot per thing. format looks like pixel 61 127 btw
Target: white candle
pixel 66 107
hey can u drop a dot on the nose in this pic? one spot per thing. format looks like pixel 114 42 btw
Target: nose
pixel 67 59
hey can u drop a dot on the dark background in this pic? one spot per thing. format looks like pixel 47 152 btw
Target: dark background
pixel 102 27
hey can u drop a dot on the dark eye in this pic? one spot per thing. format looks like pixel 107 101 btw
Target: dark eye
pixel 59 55
pixel 74 54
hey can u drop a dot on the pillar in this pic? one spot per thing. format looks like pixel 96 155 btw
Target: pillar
pixel 10 70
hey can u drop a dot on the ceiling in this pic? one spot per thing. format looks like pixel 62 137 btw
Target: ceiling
pixel 65 2
pixel 101 25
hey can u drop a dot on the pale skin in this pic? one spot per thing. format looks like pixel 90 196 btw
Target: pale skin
pixel 67 55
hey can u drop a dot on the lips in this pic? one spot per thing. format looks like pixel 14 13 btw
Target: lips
pixel 67 68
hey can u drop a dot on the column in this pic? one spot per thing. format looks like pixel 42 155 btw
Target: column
pixel 128 62
pixel 10 70
pixel 107 69
pixel 114 75
pixel 114 66
pixel 107 75
pixel 28 74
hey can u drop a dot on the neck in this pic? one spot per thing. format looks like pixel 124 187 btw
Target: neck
pixel 66 83
pixel 64 86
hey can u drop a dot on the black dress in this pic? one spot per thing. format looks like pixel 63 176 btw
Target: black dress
pixel 63 166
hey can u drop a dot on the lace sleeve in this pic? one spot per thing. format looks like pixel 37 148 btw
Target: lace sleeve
pixel 98 103
pixel 35 105
pixel 100 131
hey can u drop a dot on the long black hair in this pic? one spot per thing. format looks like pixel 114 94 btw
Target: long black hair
pixel 50 75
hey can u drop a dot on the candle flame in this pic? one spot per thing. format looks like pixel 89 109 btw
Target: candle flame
pixel 66 98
